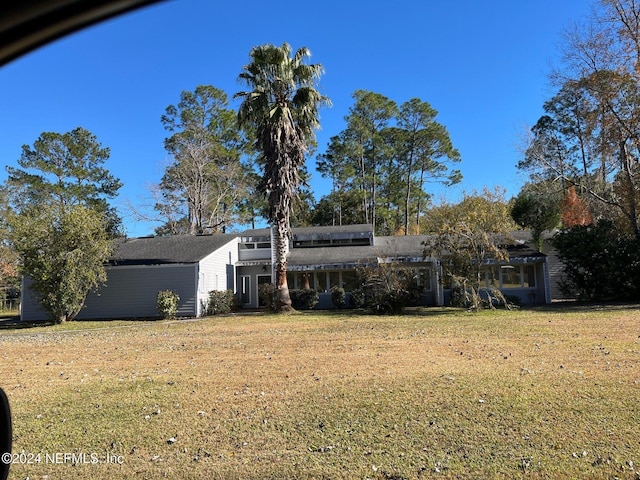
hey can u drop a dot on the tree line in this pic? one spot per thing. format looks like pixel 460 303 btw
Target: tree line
pixel 582 156
pixel 379 166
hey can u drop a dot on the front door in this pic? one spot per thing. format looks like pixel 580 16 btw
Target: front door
pixel 262 279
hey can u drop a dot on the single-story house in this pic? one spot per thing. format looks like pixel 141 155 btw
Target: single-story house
pixel 319 257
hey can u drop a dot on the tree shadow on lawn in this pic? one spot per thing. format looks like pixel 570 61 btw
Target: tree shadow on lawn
pixel 13 322
pixel 408 311
pixel 578 306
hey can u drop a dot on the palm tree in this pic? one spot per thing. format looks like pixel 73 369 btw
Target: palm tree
pixel 281 112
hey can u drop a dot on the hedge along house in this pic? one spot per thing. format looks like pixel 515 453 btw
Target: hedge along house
pixel 191 266
pixel 319 258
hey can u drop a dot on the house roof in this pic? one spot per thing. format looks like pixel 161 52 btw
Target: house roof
pixel 523 250
pixel 169 249
pixel 401 246
pixel 256 232
pixel 339 256
pixel 332 257
pixel 193 248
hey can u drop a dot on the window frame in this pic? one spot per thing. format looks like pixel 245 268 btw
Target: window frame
pixel 521 273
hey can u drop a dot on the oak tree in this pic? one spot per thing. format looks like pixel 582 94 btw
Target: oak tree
pixel 59 219
pixel 206 182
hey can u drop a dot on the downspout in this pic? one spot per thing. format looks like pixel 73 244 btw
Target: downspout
pixel 198 309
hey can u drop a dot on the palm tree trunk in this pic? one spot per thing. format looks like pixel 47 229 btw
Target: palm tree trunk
pixel 283 300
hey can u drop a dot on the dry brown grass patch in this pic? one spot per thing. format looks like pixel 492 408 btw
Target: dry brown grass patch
pixel 436 394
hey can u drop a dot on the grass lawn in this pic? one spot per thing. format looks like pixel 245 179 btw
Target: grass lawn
pixel 435 394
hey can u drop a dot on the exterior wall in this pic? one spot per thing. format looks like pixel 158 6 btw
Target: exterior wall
pixel 132 291
pixel 556 272
pixel 30 309
pixel 216 272
pixel 251 274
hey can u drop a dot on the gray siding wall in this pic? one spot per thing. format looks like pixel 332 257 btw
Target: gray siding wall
pixel 30 309
pixel 217 272
pixel 556 272
pixel 132 291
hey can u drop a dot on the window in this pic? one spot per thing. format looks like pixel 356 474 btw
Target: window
pixel 492 277
pixel 510 276
pixel 334 279
pixel 349 281
pixel 262 279
pixel 245 289
pixel 321 282
pixel 264 245
pixel 301 279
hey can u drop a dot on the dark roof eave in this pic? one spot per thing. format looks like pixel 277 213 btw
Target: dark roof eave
pixel 145 263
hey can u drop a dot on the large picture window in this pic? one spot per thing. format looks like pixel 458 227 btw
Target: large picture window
pixel 509 276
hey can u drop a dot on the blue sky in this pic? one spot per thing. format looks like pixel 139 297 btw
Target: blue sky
pixel 482 65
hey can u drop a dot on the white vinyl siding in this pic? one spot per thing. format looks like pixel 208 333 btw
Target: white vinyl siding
pixel 217 272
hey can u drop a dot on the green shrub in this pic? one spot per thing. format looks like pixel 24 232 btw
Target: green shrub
pixel 600 262
pixel 358 298
pixel 167 303
pixel 267 295
pixel 388 302
pixel 385 289
pixel 304 299
pixel 338 297
pixel 220 301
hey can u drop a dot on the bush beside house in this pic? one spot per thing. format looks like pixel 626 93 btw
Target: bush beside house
pixel 167 303
pixel 304 299
pixel 220 302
